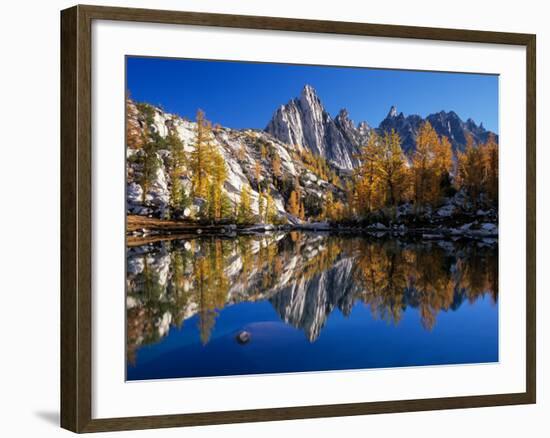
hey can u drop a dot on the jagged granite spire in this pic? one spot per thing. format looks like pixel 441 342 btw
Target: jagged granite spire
pixel 392 112
pixel 305 121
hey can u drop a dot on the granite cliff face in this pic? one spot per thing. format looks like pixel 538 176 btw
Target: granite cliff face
pixel 245 152
pixel 304 121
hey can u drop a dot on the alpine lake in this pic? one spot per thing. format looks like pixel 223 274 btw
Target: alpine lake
pixel 299 301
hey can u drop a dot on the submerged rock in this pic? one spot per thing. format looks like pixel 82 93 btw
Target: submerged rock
pixel 243 337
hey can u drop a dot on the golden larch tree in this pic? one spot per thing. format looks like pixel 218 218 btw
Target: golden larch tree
pixel 302 213
pixel 426 187
pixel 241 153
pixel 134 139
pixel 261 206
pixel 176 169
pixel 367 186
pixel 443 157
pixel 200 159
pixel 328 207
pixel 244 212
pixel 217 181
pixel 294 204
pixel 257 172
pixel 270 210
pixel 470 171
pixel 490 161
pixel 276 166
pixel 391 167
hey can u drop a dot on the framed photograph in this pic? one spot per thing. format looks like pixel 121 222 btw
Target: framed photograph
pixel 268 218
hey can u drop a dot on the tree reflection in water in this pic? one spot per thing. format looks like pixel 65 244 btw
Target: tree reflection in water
pixel 304 276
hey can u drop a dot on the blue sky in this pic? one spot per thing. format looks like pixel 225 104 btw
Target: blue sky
pixel 245 95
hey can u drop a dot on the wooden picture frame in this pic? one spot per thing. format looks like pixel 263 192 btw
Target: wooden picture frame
pixel 76 217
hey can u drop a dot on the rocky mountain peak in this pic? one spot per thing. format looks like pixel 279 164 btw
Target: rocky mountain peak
pixel 309 94
pixel 343 114
pixel 392 112
pixel 309 101
pixel 448 124
pixel 364 129
pixel 306 122
pixel 342 119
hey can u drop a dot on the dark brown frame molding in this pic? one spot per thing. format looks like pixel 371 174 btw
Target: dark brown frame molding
pixel 76 222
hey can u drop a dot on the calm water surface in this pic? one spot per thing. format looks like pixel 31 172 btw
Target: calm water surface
pixel 310 302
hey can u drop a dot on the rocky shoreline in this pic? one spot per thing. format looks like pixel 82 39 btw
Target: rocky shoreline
pixel 142 230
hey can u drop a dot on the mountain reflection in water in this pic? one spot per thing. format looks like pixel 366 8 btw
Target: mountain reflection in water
pixel 304 277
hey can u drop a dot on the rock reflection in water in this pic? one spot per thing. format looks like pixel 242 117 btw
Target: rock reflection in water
pixel 304 277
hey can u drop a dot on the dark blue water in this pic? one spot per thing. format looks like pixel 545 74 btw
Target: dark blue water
pixel 332 304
